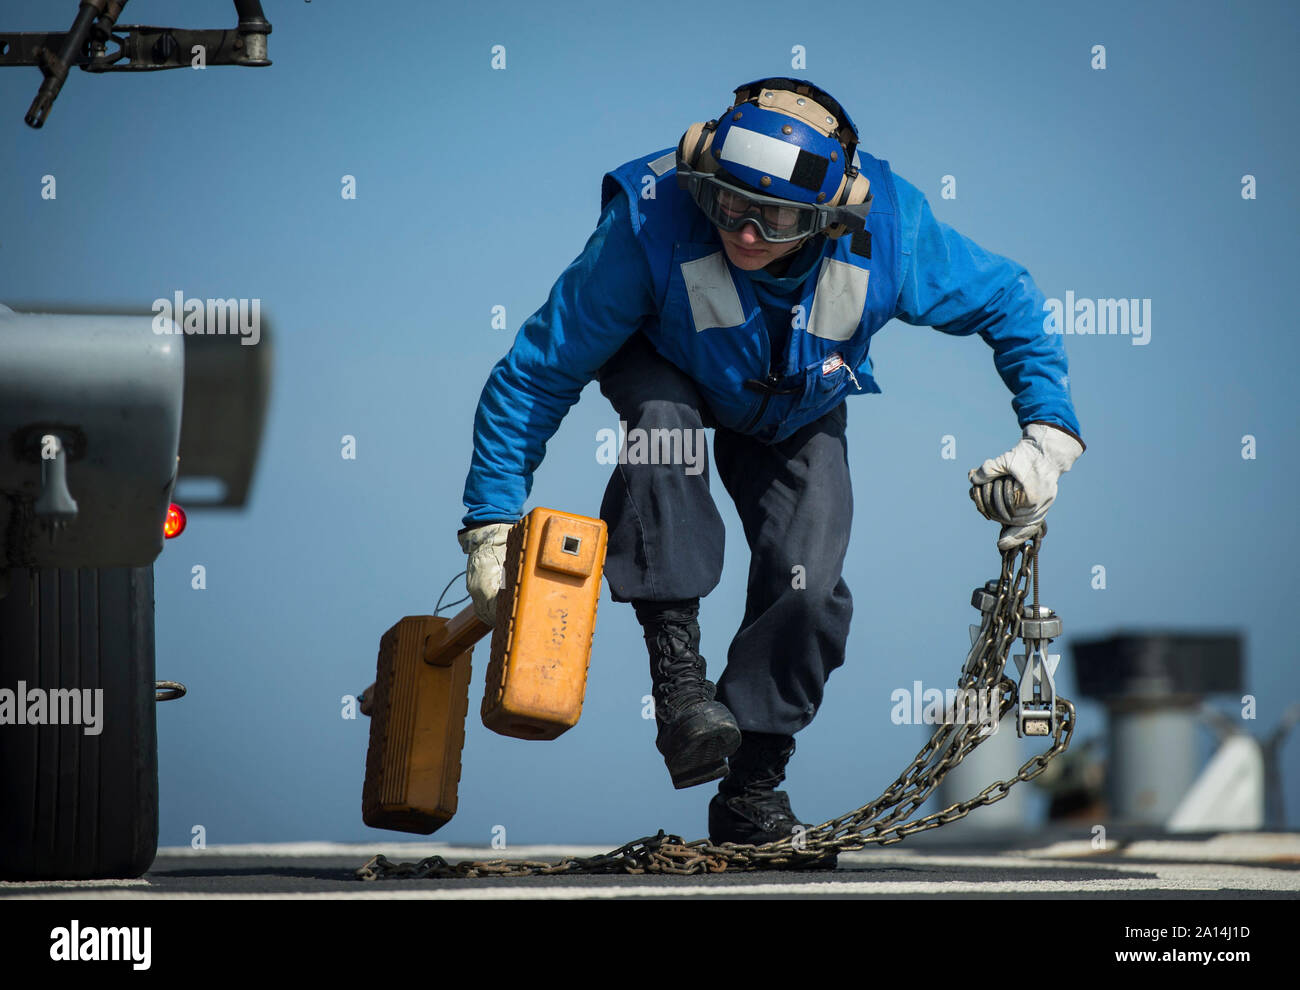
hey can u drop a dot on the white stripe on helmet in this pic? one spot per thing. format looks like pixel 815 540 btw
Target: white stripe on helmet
pixel 759 152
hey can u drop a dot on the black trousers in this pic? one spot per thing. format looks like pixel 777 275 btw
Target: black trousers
pixel 666 537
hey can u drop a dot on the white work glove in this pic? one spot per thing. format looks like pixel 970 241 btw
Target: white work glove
pixel 1036 462
pixel 485 572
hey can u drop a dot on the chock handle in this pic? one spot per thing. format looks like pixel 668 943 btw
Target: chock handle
pixel 456 636
pixel 459 635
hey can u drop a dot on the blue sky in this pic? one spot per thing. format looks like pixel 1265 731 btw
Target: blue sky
pixel 475 187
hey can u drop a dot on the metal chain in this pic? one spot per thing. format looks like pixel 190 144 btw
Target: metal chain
pixel 885 820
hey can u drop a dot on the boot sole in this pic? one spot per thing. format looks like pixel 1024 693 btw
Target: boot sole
pixel 703 756
pixel 699 775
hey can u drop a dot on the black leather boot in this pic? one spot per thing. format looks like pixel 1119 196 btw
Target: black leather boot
pixel 696 733
pixel 748 809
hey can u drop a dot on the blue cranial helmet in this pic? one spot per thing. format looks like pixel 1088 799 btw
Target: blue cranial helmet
pixel 782 143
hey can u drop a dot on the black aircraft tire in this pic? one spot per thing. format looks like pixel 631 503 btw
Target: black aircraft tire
pixel 76 803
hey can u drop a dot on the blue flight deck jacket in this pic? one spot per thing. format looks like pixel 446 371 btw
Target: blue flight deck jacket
pixel 768 354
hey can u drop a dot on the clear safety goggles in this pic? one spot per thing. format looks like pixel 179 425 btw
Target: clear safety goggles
pixel 778 220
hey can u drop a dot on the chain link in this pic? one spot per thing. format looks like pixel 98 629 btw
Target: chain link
pixel 886 820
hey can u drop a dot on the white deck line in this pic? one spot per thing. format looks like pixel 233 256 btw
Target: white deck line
pixel 1176 879
pixel 406 850
pixel 1170 877
pixel 1230 846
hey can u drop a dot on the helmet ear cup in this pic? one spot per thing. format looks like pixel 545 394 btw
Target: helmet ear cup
pixel 850 193
pixel 695 150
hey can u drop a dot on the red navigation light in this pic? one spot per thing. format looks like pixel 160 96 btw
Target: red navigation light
pixel 174 524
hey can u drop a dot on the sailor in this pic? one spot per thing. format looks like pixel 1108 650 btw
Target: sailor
pixel 734 283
